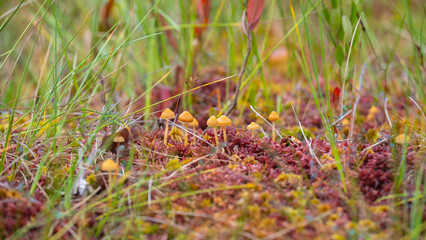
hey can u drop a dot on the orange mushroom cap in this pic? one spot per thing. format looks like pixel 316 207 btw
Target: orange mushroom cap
pixel 253 126
pixel 118 139
pixel 194 123
pixel 167 114
pixel 224 121
pixel 273 116
pixel 401 138
pixel 109 165
pixel 212 121
pixel 185 117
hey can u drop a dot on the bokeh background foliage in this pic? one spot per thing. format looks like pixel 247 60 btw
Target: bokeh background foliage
pixel 65 49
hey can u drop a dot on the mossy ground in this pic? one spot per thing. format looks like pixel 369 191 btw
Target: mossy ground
pixel 250 187
pixel 347 79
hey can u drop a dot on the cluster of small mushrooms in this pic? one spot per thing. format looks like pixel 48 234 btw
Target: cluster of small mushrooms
pixel 111 167
pixel 188 120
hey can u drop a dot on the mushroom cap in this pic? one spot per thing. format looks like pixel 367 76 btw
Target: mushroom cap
pixel 373 110
pixel 273 116
pixel 167 114
pixel 109 165
pixel 185 117
pixel 401 137
pixel 194 123
pixel 253 126
pixel 223 121
pixel 212 121
pixel 118 139
pixel 345 122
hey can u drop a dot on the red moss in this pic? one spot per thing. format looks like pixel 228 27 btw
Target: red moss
pixel 375 174
pixel 16 211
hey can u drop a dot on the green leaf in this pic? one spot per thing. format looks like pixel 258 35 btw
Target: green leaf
pixel 326 14
pixel 347 26
pixel 354 12
pixel 335 18
pixel 340 56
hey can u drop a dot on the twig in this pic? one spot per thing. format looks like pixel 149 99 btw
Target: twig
pixel 377 143
pixel 417 105
pixel 347 63
pixel 240 75
pixel 306 139
pixel 358 96
pixel 386 112
pixel 149 190
pixel 341 118
pixel 193 134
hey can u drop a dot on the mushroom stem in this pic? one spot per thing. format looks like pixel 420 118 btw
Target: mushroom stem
pixel 273 131
pixel 166 132
pixel 186 134
pixel 215 136
pixel 252 133
pixel 109 189
pixel 224 134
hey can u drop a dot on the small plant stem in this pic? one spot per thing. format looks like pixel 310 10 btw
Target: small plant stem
pixel 219 105
pixel 186 134
pixel 273 131
pixel 224 134
pixel 240 76
pixel 215 136
pixel 166 132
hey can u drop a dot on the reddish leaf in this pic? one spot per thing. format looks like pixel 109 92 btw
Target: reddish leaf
pixel 335 130
pixel 203 10
pixel 254 10
pixel 106 15
pixel 335 97
pixel 203 14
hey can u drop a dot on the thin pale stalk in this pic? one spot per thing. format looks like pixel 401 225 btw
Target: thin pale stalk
pixel 166 132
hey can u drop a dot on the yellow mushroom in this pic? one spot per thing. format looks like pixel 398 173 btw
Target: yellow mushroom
pixel 186 118
pixel 212 122
pixel 194 124
pixel 166 115
pixel 111 168
pixel 371 113
pixel 224 121
pixel 118 139
pixel 402 138
pixel 345 122
pixel 252 127
pixel 109 165
pixel 273 117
